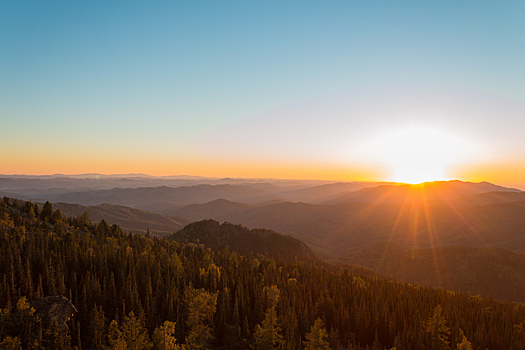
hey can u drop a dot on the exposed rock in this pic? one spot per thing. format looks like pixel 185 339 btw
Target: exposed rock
pixel 54 309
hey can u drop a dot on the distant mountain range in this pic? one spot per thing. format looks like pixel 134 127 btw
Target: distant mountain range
pixel 138 221
pixel 428 191
pixel 156 193
pixel 443 233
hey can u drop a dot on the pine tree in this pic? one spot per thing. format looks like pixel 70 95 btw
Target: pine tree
pixel 47 212
pixel 437 330
pixel 131 335
pixel 267 335
pixel 316 339
pixel 56 338
pixel 11 344
pixel 163 337
pixel 518 341
pixel 96 327
pixel 115 339
pixel 134 333
pixel 465 344
pixel 201 309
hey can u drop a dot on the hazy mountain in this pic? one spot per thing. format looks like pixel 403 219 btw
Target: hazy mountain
pixel 31 185
pixel 88 189
pixel 325 192
pixel 477 249
pixel 492 198
pixel 146 197
pixel 437 190
pixel 130 219
pixel 216 208
pixel 336 230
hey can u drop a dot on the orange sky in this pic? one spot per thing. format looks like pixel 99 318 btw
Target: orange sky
pixel 294 93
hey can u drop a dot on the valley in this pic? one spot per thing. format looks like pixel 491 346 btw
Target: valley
pixel 454 234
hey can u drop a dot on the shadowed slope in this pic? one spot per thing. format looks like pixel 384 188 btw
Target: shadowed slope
pixel 244 241
pixel 128 218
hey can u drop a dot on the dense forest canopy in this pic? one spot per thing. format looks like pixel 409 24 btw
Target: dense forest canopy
pixel 138 292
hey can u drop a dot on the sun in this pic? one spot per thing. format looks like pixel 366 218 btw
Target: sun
pixel 416 155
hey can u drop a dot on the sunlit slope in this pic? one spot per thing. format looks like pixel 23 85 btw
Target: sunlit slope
pixel 437 190
pixel 337 230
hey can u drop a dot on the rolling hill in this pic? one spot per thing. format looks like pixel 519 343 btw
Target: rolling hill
pixel 107 273
pixel 336 230
pixel 138 221
pixel 402 193
pixel 244 241
pixel 163 196
pixel 491 272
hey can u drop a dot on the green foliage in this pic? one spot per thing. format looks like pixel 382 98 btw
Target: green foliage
pixel 56 338
pixel 130 335
pixel 244 241
pixel 47 212
pixel 134 333
pixel 267 335
pixel 437 330
pixel 201 309
pixel 518 336
pixel 115 338
pixel 218 299
pixel 96 327
pixel 316 339
pixel 464 344
pixel 164 337
pixel 11 344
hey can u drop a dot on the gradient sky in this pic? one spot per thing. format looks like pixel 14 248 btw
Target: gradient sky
pixel 294 89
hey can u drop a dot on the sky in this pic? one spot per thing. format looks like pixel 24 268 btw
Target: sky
pixel 339 90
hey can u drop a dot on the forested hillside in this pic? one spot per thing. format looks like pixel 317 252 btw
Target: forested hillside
pixel 491 272
pixel 137 292
pixel 245 241
pixel 138 221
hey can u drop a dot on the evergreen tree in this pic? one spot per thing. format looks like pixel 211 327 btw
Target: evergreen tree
pixel 96 328
pixel 316 339
pixel 56 338
pixel 437 330
pixel 47 212
pixel 132 335
pixel 108 273
pixel 202 306
pixel 464 344
pixel 268 335
pixel 163 337
pixel 519 336
pixel 11 344
pixel 115 338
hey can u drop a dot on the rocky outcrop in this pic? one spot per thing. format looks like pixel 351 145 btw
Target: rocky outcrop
pixel 54 309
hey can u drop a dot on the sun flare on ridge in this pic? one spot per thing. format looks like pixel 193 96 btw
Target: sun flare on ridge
pixel 416 155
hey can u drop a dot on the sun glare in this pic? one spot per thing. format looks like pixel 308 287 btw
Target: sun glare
pixel 416 155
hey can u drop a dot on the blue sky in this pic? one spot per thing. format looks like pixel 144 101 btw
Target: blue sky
pixel 272 83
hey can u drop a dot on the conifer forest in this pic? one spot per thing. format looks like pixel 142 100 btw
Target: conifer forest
pixel 131 291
